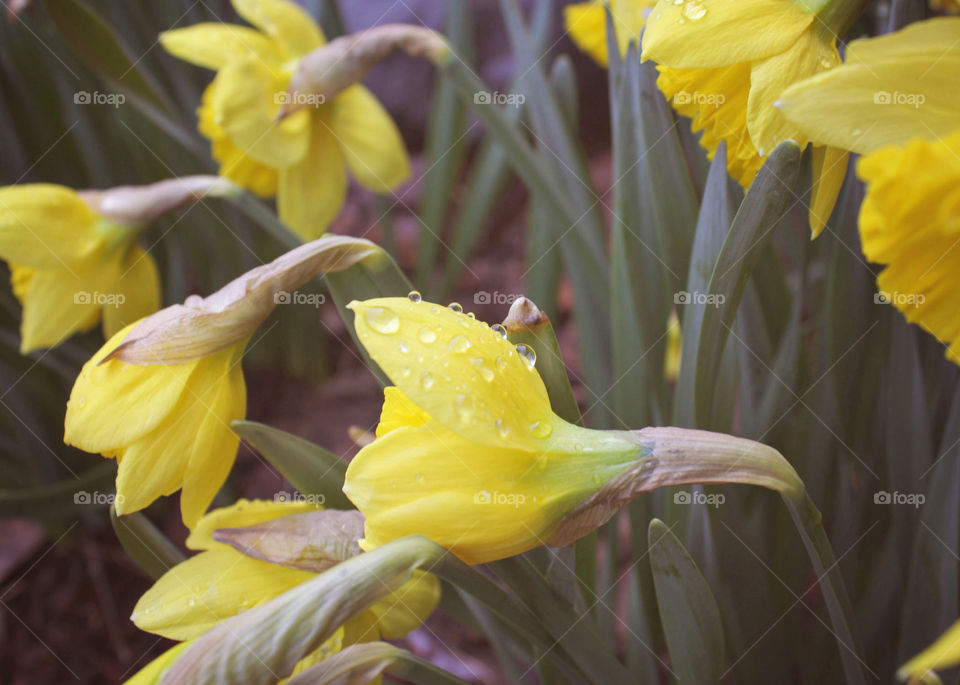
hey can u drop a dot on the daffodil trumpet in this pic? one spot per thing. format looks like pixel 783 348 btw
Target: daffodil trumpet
pixel 74 257
pixel 161 394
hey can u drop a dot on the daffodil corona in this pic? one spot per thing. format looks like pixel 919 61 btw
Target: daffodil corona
pixel 277 138
pixel 724 64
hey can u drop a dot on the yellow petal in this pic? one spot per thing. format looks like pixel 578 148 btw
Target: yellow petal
pixel 56 305
pixel 587 25
pixel 770 77
pixel 311 193
pixel 241 514
pixel 829 171
pixel 720 33
pixel 894 88
pixel 909 222
pixel 214 45
pixel 398 411
pixel 113 404
pixel 369 140
pixel 45 226
pixel 716 100
pixel 481 503
pixel 246 101
pixel 235 164
pixel 207 588
pixel 405 610
pixel 944 653
pixel 152 672
pixel 288 23
pixel 137 290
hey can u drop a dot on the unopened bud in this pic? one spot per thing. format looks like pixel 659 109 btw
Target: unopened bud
pixel 141 205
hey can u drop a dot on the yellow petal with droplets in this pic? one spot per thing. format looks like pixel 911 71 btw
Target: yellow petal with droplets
pixel 214 45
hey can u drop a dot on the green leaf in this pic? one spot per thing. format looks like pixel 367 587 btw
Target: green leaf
pixel 688 610
pixel 311 469
pixel 61 498
pixel 146 545
pixel 760 212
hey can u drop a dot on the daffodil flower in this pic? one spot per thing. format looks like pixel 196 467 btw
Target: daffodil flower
pixel 944 653
pixel 221 582
pixel 586 22
pixel 724 64
pixel 470 454
pixel 298 143
pixel 897 103
pixel 159 396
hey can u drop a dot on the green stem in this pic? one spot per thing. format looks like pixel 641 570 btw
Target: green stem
pixel 809 523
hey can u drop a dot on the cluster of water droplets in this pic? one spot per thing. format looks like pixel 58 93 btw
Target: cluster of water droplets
pixel 386 321
pixel 694 10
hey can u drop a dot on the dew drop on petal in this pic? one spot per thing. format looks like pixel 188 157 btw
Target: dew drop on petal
pixel 486 373
pixel 426 380
pixel 501 363
pixel 415 296
pixel 528 355
pixel 471 315
pixel 502 428
pixel 694 10
pixel 427 335
pixel 418 477
pixel 382 320
pixel 459 344
pixel 499 330
pixel 456 306
pixel 541 429
pixel 404 349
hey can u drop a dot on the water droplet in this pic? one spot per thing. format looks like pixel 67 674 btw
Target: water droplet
pixel 83 399
pixel 426 380
pixel 382 320
pixel 415 296
pixel 403 348
pixel 191 602
pixel 596 477
pixel 857 132
pixel 499 330
pixel 456 306
pixel 528 355
pixel 404 372
pixel 486 373
pixel 694 10
pixel 459 344
pixel 418 477
pixel 541 429
pixel 471 315
pixel 501 363
pixel 427 335
pixel 502 427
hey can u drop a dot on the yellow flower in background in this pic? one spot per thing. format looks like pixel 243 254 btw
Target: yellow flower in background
pixel 724 64
pixel 586 22
pixel 468 450
pixel 302 155
pixel 896 101
pixel 72 268
pixel 168 426
pixel 942 654
pixel 221 582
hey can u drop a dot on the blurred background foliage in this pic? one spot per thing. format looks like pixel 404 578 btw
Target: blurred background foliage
pixel 620 215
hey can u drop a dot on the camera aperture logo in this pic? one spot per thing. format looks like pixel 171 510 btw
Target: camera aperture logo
pixel 684 97
pixel 496 297
pixel 298 99
pixel 696 297
pixel 485 97
pixel 899 299
pixel 913 499
pixel 97 498
pixel 83 97
pixel 697 497
pixel 98 298
pixel 284 497
pixel 885 97
pixel 510 499
pixel 296 297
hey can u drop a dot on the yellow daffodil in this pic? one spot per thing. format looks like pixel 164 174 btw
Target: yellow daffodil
pixel 896 102
pixel 271 134
pixel 470 454
pixel 586 22
pixel 221 582
pixel 942 654
pixel 724 64
pixel 71 267
pixel 168 426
